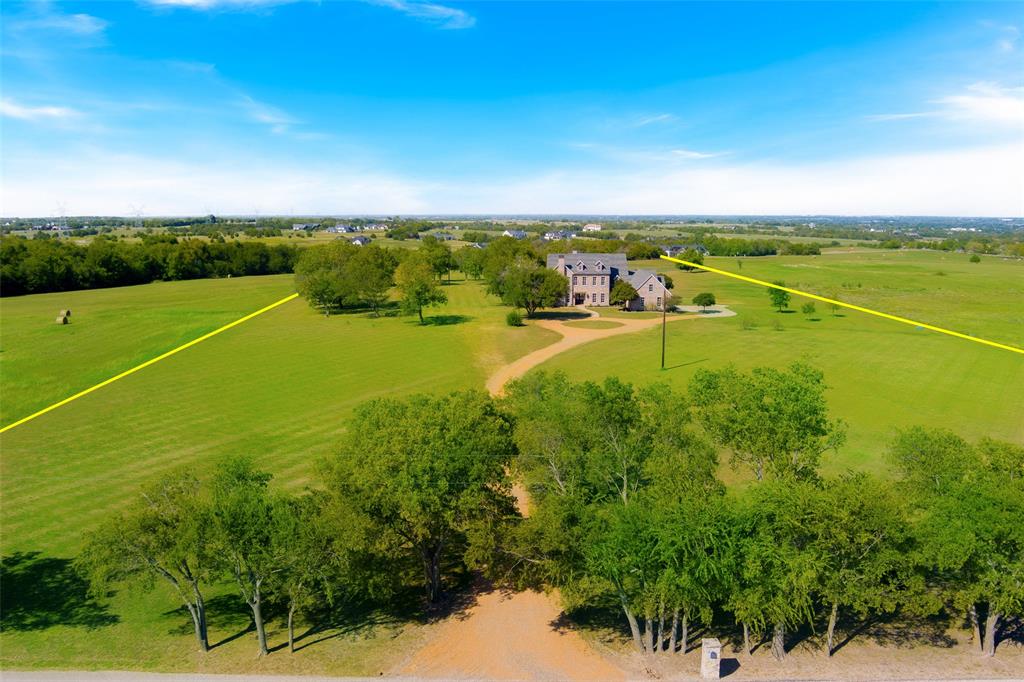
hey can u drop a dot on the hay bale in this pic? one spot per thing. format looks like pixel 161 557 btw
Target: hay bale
pixel 62 319
pixel 65 313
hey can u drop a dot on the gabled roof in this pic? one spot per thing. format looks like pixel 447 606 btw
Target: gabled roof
pixel 610 261
pixel 637 278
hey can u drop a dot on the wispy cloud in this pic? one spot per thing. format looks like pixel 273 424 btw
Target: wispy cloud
pixel 278 121
pixel 982 102
pixel 1007 35
pixel 12 109
pixel 656 118
pixel 645 155
pixel 76 24
pixel 440 15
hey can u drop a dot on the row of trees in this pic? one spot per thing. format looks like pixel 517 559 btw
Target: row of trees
pixel 627 512
pixel 340 275
pixel 30 266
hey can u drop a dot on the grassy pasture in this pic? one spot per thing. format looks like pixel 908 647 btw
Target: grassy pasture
pixel 883 375
pixel 281 386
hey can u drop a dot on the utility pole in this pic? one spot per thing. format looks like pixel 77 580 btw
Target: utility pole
pixel 664 312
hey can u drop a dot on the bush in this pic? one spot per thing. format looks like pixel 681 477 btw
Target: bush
pixel 808 308
pixel 975 258
pixel 514 319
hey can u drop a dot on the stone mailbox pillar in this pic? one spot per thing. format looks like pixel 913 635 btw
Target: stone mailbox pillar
pixel 710 658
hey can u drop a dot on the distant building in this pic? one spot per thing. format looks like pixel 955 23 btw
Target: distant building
pixel 558 235
pixel 299 227
pixel 515 234
pixel 342 228
pixel 376 226
pixel 361 241
pixel 591 227
pixel 676 250
pixel 591 276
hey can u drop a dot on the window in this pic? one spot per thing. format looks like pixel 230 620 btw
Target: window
pixel 604 279
pixel 600 265
pixel 650 287
pixel 659 301
pixel 574 279
pixel 602 298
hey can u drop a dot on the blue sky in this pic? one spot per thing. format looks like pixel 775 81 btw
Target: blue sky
pixel 399 106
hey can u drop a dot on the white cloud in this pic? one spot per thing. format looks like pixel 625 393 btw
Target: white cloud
pixel 985 181
pixel 983 102
pixel 12 109
pixel 655 118
pixel 278 121
pixel 440 15
pixel 77 24
pixel 986 103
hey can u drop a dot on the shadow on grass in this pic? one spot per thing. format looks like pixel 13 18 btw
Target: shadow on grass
pixel 687 364
pixel 444 320
pixel 38 592
pixel 560 315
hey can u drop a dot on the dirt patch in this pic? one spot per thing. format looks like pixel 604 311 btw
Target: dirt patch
pixel 509 636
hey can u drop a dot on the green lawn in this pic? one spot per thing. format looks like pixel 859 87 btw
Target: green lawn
pixel 883 375
pixel 280 386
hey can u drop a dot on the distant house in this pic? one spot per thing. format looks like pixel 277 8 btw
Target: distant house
pixel 361 240
pixel 299 227
pixel 342 228
pixel 476 245
pixel 515 234
pixel 677 250
pixel 376 226
pixel 558 235
pixel 591 227
pixel 591 276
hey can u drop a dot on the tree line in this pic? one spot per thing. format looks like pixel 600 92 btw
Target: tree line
pixel 627 513
pixel 31 266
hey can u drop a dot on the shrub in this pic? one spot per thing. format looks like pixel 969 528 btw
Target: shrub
pixel 514 319
pixel 975 258
pixel 808 308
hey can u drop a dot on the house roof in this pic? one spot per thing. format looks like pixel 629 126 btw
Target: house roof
pixel 588 262
pixel 637 278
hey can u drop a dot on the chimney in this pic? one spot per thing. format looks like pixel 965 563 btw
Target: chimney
pixel 561 263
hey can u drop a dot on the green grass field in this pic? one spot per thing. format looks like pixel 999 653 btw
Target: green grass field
pixel 282 387
pixel 883 375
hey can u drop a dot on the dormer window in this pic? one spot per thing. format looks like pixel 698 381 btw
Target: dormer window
pixel 580 265
pixel 600 265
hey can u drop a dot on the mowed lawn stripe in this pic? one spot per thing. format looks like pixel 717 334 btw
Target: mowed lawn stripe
pixel 280 386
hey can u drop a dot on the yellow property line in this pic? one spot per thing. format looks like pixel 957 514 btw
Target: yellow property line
pixel 869 311
pixel 147 363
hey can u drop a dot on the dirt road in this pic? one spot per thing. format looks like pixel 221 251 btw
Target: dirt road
pixel 576 336
pixel 517 636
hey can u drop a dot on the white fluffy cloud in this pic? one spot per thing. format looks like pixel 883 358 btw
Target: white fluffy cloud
pixel 12 109
pixel 987 181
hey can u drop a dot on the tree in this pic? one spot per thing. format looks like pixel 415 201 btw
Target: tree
pixel 775 422
pixel 532 287
pixel 371 274
pixel 968 505
pixel 691 256
pixel 590 454
pixel 779 298
pixel 311 552
pixel 430 475
pixel 320 275
pixel 704 300
pixel 807 308
pixel 164 535
pixel 862 534
pixel 243 514
pixel 975 258
pixel 438 255
pixel 470 261
pixel 642 251
pixel 622 293
pixel 778 566
pixel 415 280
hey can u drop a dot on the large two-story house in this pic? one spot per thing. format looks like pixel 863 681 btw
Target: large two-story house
pixel 591 277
